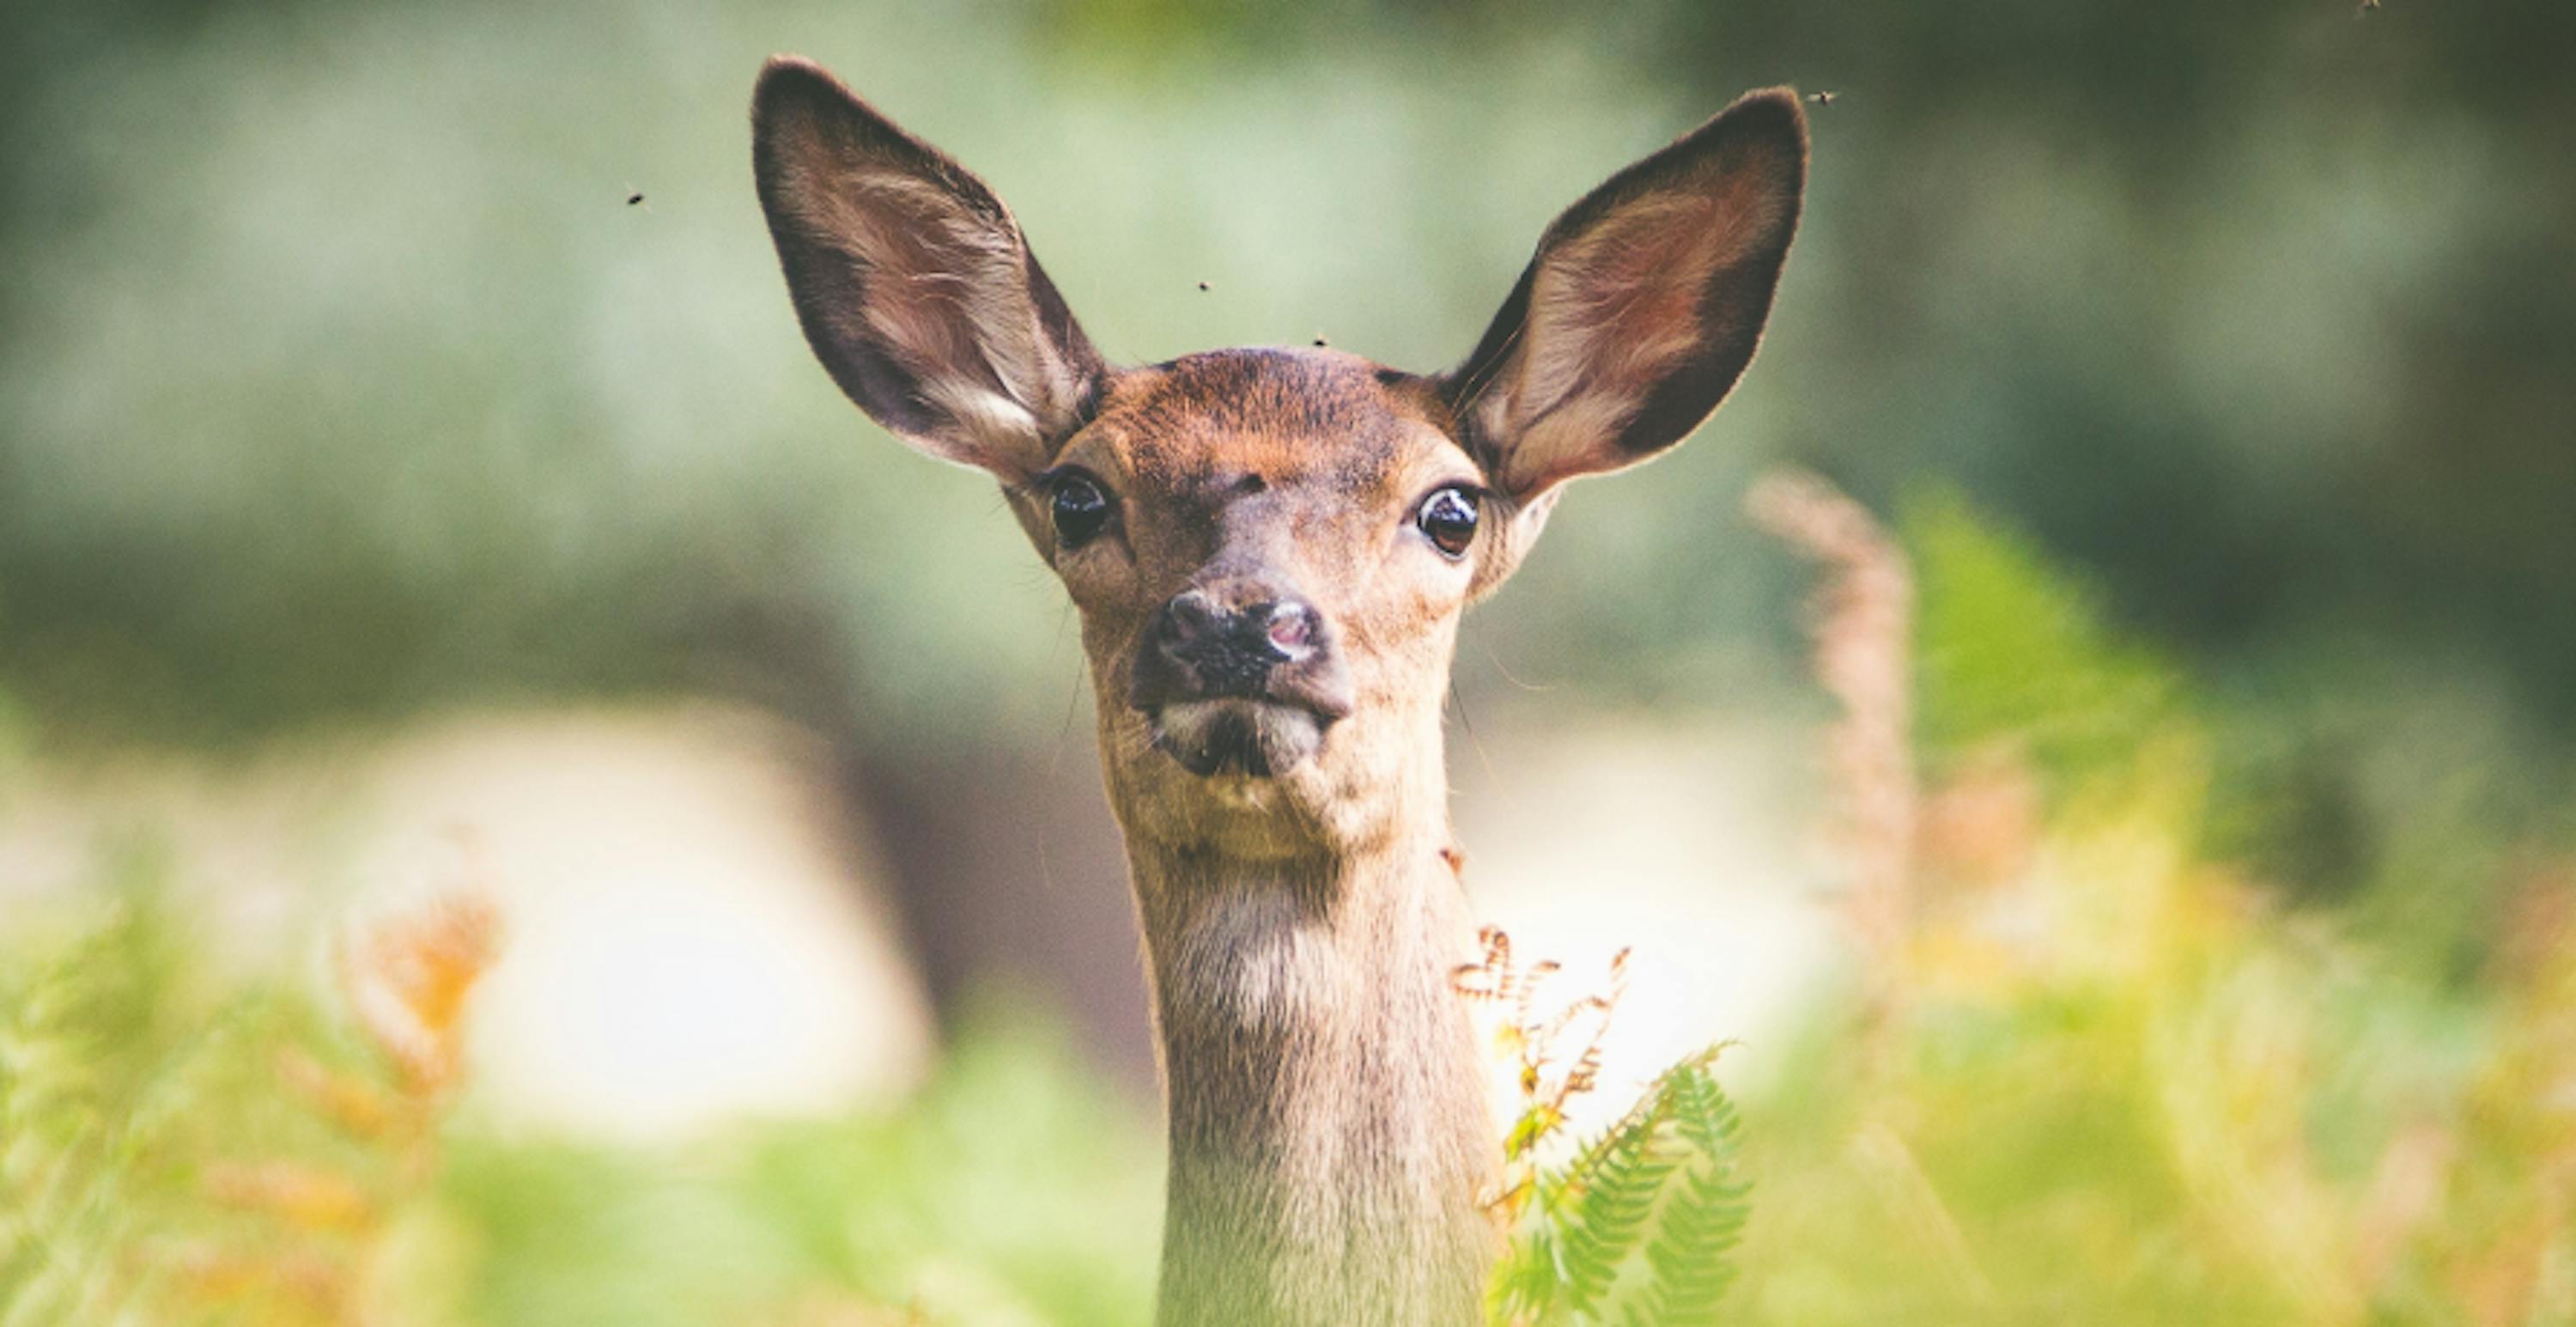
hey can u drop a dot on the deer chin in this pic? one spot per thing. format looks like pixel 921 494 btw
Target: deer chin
pixel 1237 738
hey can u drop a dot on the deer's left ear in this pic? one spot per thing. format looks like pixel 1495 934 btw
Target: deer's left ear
pixel 912 281
pixel 1642 307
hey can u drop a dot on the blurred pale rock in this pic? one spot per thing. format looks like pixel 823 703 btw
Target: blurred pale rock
pixel 691 932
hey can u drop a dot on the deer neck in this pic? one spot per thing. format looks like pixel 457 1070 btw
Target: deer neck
pixel 1331 1137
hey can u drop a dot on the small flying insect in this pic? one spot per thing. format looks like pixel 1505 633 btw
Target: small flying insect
pixel 1823 98
pixel 635 198
pixel 1322 342
pixel 2363 9
pixel 1203 286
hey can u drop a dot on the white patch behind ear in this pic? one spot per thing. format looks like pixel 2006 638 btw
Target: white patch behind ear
pixel 985 424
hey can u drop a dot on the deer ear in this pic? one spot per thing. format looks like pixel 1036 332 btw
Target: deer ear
pixel 912 281
pixel 1642 307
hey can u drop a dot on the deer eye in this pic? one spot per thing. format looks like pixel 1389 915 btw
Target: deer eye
pixel 1448 519
pixel 1080 509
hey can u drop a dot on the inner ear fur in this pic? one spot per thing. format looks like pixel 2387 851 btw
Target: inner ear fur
pixel 1643 305
pixel 912 281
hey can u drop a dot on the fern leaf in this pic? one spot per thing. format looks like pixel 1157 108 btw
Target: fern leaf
pixel 1702 1218
pixel 1637 1226
pixel 1608 1221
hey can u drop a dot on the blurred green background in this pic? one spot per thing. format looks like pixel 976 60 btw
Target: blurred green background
pixel 341 379
pixel 344 388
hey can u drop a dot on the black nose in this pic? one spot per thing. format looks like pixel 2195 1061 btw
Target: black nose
pixel 1230 650
pixel 1241 639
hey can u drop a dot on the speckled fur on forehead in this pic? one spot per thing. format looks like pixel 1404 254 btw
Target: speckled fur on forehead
pixel 1280 415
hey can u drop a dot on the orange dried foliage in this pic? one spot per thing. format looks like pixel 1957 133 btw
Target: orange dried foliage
pixel 1546 1078
pixel 300 1196
pixel 299 1288
pixel 1862 617
pixel 356 1107
pixel 406 979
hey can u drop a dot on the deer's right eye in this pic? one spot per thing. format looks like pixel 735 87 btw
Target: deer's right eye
pixel 1080 509
pixel 1448 519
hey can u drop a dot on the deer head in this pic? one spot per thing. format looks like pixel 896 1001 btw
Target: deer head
pixel 1270 550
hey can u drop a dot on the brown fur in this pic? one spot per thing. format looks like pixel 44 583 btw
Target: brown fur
pixel 1331 1142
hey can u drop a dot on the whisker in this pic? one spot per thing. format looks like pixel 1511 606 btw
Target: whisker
pixel 1497 661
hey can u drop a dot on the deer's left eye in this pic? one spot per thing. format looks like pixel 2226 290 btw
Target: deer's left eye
pixel 1448 519
pixel 1080 510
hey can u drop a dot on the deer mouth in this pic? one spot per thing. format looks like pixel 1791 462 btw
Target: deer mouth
pixel 1256 738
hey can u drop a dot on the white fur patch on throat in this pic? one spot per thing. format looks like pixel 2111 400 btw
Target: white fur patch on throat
pixel 1256 961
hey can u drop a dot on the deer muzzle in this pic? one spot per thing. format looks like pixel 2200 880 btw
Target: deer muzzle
pixel 1239 679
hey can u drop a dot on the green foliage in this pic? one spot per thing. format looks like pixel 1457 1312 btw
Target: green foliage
pixel 2008 648
pixel 2116 1081
pixel 94 1082
pixel 171 1154
pixel 1703 1220
pixel 1010 1190
pixel 1636 1227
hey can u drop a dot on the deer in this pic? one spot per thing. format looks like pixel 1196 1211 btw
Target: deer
pixel 1269 551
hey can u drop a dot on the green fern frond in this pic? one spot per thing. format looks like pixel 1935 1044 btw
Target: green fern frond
pixel 104 1072
pixel 1607 1223
pixel 74 1044
pixel 1703 1217
pixel 1636 1226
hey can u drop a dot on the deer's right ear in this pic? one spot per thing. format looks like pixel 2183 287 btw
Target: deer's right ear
pixel 912 281
pixel 1642 306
